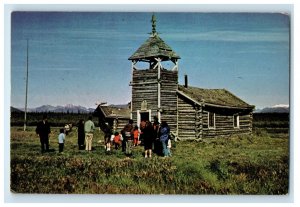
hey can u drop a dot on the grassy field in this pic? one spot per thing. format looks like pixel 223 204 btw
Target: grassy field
pixel 255 164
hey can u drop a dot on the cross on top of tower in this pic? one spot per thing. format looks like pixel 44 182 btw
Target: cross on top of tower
pixel 153 20
pixel 154 47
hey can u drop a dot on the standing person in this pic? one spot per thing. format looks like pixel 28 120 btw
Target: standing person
pixel 61 140
pixel 164 137
pixel 107 136
pixel 169 146
pixel 128 136
pixel 136 135
pixel 148 133
pixel 107 130
pixel 81 134
pixel 157 146
pixel 89 128
pixel 142 127
pixel 123 141
pixel 43 130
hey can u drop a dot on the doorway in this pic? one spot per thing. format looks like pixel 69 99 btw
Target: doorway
pixel 143 116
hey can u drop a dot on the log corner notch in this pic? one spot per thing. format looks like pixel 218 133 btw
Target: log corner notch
pixel 198 122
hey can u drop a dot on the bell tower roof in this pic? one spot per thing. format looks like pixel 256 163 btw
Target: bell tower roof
pixel 154 47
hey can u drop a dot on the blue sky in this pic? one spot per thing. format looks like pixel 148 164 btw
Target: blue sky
pixel 82 58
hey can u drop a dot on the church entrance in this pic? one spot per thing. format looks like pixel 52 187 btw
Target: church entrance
pixel 144 115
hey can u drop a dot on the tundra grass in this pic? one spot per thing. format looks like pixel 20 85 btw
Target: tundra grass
pixel 255 164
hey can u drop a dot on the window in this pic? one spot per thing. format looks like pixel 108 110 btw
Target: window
pixel 211 120
pixel 236 121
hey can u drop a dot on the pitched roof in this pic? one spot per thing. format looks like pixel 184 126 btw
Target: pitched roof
pixel 213 97
pixel 115 112
pixel 154 47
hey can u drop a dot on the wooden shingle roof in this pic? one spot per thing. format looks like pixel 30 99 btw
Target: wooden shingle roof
pixel 213 97
pixel 154 47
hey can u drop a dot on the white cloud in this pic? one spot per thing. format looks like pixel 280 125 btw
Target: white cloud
pixel 232 36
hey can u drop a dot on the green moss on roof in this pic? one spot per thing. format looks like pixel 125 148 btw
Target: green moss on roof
pixel 154 47
pixel 220 97
pixel 114 112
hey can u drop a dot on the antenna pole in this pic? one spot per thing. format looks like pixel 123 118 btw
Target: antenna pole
pixel 25 115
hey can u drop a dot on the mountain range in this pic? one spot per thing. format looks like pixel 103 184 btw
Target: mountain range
pixel 81 109
pixel 69 108
pixel 281 108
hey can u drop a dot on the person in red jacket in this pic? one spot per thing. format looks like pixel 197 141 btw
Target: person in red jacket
pixel 117 140
pixel 136 135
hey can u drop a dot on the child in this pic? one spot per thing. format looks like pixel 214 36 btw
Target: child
pixel 136 134
pixel 61 140
pixel 169 148
pixel 117 140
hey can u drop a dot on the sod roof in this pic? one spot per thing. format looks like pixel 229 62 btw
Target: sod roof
pixel 154 47
pixel 217 97
pixel 115 112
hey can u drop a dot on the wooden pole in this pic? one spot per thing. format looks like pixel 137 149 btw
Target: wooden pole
pixel 158 90
pixel 26 92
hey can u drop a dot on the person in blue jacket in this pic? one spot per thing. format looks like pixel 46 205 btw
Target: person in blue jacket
pixel 164 132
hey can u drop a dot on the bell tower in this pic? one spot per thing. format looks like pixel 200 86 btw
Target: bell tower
pixel 154 86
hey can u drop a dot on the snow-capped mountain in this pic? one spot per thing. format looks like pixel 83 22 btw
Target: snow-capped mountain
pixel 69 108
pixel 280 108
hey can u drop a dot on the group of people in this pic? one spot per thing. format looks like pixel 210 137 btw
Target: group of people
pixel 155 137
pixel 85 133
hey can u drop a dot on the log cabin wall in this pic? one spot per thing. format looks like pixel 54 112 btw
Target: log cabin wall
pixel 121 124
pixel 144 88
pixel 186 119
pixel 224 124
pixel 168 96
pixel 193 121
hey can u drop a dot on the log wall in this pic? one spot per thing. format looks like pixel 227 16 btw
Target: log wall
pixel 145 88
pixel 121 124
pixel 186 119
pixel 193 121
pixel 169 85
pixel 224 125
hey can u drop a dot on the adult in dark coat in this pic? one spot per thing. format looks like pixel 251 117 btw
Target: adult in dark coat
pixel 157 145
pixel 148 134
pixel 164 135
pixel 81 134
pixel 43 130
pixel 108 131
pixel 127 134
